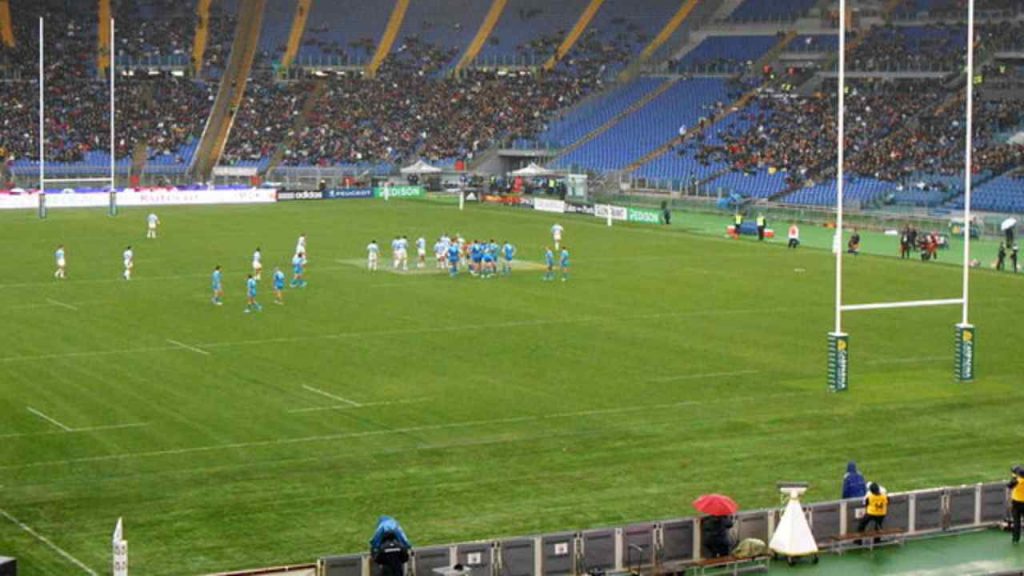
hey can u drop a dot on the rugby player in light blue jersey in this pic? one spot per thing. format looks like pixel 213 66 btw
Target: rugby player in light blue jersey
pixel 453 259
pixel 298 266
pixel 250 291
pixel 217 284
pixel 476 257
pixel 563 263
pixel 487 266
pixel 61 272
pixel 278 286
pixel 549 261
pixel 509 252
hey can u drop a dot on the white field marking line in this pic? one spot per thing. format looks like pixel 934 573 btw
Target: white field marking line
pixel 402 332
pixel 184 346
pixel 118 280
pixel 912 360
pixel 50 420
pixel 363 405
pixel 332 396
pixel 372 433
pixel 703 376
pixel 88 353
pixel 62 304
pixel 48 542
pixel 73 430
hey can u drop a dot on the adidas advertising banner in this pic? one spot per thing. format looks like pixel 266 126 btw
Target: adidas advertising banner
pixel 548 205
pixel 348 193
pixel 584 209
pixel 287 195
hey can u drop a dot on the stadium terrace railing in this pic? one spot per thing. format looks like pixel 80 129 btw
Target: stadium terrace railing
pixel 651 547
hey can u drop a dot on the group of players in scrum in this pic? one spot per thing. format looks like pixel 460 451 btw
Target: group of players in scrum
pixel 481 259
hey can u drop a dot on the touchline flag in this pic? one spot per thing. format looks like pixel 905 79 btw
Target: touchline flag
pixel 120 552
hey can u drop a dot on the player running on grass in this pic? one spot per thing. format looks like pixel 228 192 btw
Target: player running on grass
pixel 217 284
pixel 549 261
pixel 61 272
pixel 250 292
pixel 152 222
pixel 372 256
pixel 129 262
pixel 298 267
pixel 300 244
pixel 278 286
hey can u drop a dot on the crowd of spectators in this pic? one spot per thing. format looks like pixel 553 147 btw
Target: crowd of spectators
pixel 264 119
pixel 154 29
pixel 894 129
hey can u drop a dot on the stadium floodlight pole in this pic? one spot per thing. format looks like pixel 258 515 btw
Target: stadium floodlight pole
pixel 838 343
pixel 964 331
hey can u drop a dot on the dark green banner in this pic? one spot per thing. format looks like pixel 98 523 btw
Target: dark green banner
pixel 838 362
pixel 964 352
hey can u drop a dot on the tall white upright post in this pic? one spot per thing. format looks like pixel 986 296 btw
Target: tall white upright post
pixel 838 342
pixel 112 70
pixel 42 111
pixel 964 331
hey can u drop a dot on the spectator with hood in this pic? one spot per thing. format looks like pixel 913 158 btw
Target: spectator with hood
pixel 853 482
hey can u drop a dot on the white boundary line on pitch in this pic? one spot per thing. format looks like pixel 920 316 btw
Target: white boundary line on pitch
pixel 372 433
pixel 184 346
pixel 363 405
pixel 73 430
pixel 48 542
pixel 53 421
pixel 332 396
pixel 702 376
pixel 62 304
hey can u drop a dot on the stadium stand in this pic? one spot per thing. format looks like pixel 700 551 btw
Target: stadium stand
pixel 725 54
pixel 529 31
pixel 771 10
pixel 343 32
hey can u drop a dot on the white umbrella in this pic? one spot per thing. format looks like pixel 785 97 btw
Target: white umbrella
pixel 421 167
pixel 1007 224
pixel 532 170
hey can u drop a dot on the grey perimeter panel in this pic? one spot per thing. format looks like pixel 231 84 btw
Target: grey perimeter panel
pixel 426 559
pixel 677 538
pixel 517 557
pixel 598 550
pixel 928 510
pixel 638 541
pixel 479 551
pixel 825 519
pixel 557 551
pixel 350 565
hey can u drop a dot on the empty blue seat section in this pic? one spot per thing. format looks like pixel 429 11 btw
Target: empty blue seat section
pixel 1001 194
pixel 770 10
pixel 857 192
pixel 448 24
pixel 726 52
pixel 759 184
pixel 594 113
pixel 277 26
pixel 528 21
pixel 344 30
pixel 650 127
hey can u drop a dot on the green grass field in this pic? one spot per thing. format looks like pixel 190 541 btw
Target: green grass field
pixel 671 364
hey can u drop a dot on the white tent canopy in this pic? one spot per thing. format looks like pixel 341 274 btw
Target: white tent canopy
pixel 421 167
pixel 532 170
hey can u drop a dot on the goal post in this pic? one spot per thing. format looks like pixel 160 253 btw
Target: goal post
pixel 964 331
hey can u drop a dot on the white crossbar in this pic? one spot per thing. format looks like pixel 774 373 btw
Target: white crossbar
pixel 65 180
pixel 905 304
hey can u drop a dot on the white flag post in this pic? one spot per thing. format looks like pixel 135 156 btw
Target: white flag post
pixel 120 546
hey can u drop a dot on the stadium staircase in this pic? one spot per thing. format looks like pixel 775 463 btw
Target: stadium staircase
pixel 300 123
pixel 202 34
pixel 574 34
pixel 103 38
pixel 660 39
pixel 387 40
pixel 482 35
pixel 302 8
pixel 739 104
pixel 639 104
pixel 232 87
pixel 6 28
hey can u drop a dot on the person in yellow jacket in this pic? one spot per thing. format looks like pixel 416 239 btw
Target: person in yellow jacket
pixel 1016 486
pixel 877 503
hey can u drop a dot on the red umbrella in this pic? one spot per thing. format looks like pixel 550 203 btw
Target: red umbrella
pixel 716 505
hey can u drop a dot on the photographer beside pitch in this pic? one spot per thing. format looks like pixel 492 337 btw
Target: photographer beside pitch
pixel 1016 486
